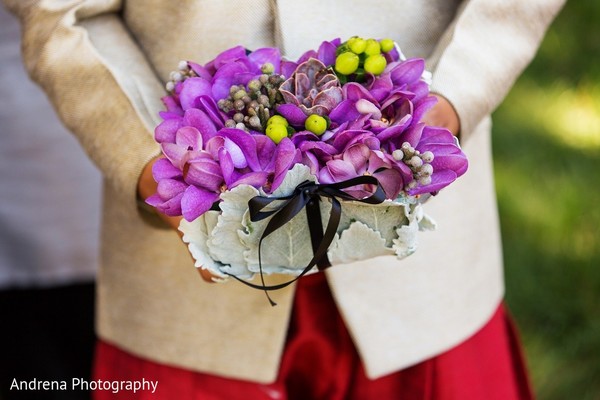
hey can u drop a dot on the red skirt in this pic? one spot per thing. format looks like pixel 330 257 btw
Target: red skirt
pixel 320 362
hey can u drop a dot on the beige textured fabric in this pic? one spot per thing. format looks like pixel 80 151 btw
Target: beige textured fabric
pixel 102 62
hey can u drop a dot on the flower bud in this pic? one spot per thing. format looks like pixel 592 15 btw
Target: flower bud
pixel 254 85
pixel 427 156
pixel 398 155
pixel 426 170
pixel 267 68
pixel 183 65
pixel 416 161
pixel 425 180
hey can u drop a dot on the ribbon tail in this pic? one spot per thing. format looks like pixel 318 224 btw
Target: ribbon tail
pixel 315 226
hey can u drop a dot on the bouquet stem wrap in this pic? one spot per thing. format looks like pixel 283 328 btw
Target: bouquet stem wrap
pixel 307 196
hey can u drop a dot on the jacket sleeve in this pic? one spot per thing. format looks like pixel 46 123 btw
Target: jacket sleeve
pixel 98 80
pixel 483 52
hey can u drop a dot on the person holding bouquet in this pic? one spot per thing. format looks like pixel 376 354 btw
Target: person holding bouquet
pixel 430 326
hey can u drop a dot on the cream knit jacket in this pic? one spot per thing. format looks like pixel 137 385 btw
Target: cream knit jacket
pixel 103 64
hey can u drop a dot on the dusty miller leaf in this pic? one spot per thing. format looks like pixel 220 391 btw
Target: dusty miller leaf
pixel 406 243
pixel 223 242
pixel 196 234
pixel 383 218
pixel 287 250
pixel 358 242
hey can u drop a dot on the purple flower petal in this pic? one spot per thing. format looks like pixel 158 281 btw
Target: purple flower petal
pixel 436 135
pixel 200 70
pixel 169 188
pixel 228 56
pixel 205 173
pixel 176 154
pixel 341 170
pixel 227 167
pixel 266 55
pixel 236 154
pixel 265 148
pixel 413 135
pixel 323 151
pixel 254 179
pixel 326 53
pixel 439 181
pixel 170 115
pixel 343 139
pixel 455 162
pixel 408 71
pixel 172 105
pixel 170 207
pixel 357 155
pixel 392 55
pixel 423 106
pixel 196 202
pixel 201 121
pixel 166 130
pixel 224 78
pixel 420 90
pixel 191 89
pixel 395 130
pixel 345 111
pixel 209 106
pixel 311 161
pixel 288 68
pixel 307 56
pixel 163 169
pixel 189 137
pixel 246 145
pixel 381 87
pixel 354 91
pixel 284 158
pixel 391 182
pixel 294 115
pixel 364 106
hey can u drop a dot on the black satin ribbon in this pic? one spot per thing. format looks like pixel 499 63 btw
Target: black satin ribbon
pixel 307 196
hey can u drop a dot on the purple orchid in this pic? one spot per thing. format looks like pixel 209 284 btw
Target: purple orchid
pixel 449 161
pixel 357 160
pixel 171 187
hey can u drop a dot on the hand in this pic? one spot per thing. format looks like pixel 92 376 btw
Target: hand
pixel 443 114
pixel 147 187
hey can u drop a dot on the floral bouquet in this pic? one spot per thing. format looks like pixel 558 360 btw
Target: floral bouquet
pixel 251 139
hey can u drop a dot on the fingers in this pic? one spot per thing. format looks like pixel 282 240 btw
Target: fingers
pixel 443 114
pixel 206 275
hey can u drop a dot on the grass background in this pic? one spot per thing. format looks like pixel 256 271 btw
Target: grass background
pixel 547 165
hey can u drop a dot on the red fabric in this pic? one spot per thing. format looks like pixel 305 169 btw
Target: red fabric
pixel 320 362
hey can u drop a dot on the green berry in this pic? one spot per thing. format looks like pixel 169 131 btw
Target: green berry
pixel 277 120
pixel 386 45
pixel 357 45
pixel 375 64
pixel 372 47
pixel 346 63
pixel 267 68
pixel 276 132
pixel 316 124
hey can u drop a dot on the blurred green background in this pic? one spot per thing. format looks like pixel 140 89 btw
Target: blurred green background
pixel 547 165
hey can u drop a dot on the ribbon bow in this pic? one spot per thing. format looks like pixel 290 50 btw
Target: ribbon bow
pixel 308 195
